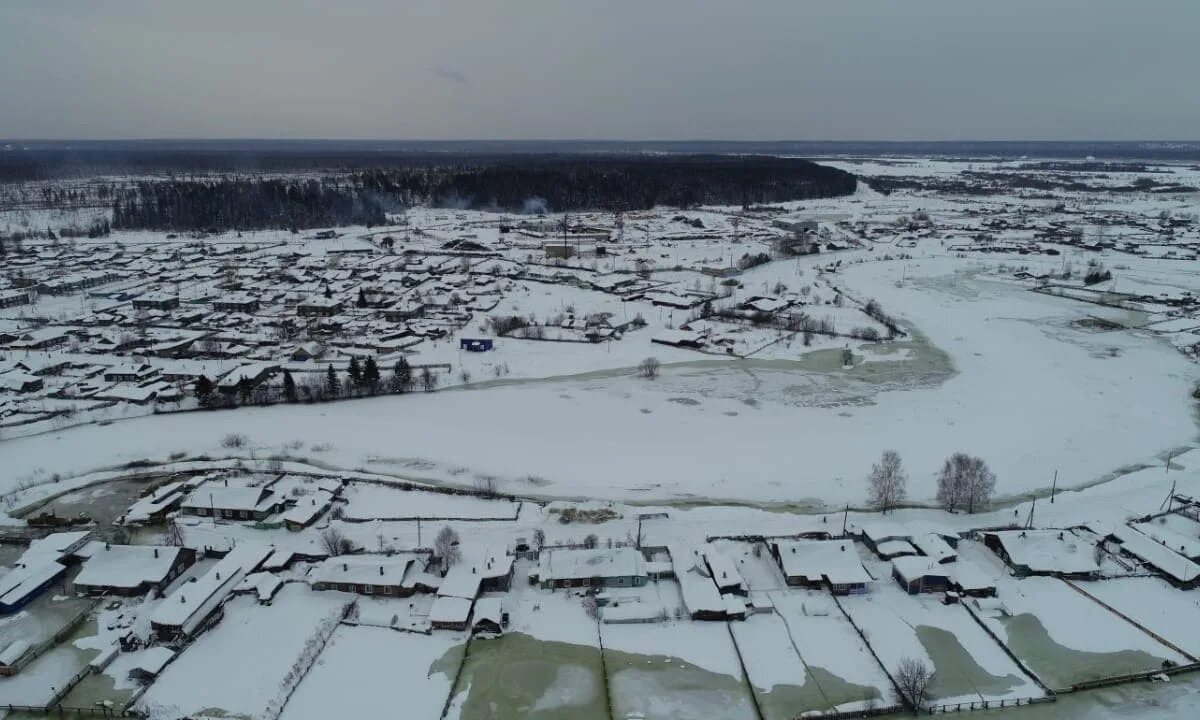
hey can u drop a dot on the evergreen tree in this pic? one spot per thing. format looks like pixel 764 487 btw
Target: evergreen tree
pixel 328 292
pixel 355 372
pixel 402 376
pixel 362 298
pixel 245 390
pixel 204 390
pixel 331 382
pixel 371 375
pixel 289 386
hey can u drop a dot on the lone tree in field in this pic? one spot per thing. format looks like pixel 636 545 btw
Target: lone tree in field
pixel 887 483
pixel 429 381
pixel 913 677
pixel 649 368
pixel 445 546
pixel 965 483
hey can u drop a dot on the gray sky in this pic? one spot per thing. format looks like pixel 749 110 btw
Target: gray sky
pixel 601 69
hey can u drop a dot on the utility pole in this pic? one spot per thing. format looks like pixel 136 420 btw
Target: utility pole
pixel 1032 507
pixel 418 533
pixel 1054 486
pixel 845 517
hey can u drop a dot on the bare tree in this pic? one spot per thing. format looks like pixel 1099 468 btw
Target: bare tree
pixel 174 534
pixel 486 485
pixel 965 483
pixel 913 678
pixel 649 368
pixel 539 538
pixel 429 380
pixel 591 541
pixel 445 545
pixel 887 483
pixel 335 542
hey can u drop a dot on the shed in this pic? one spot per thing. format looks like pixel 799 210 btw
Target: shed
pixel 450 613
pixel 475 344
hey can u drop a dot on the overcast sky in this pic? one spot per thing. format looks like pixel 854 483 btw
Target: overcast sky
pixel 601 69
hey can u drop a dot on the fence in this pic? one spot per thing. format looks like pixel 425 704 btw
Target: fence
pixel 58 636
pixel 71 712
pixel 312 650
pixel 987 705
pixel 457 676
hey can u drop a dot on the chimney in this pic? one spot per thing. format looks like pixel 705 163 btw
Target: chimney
pixel 345 567
pixel 226 482
pixel 155 552
pixel 182 598
pixel 380 569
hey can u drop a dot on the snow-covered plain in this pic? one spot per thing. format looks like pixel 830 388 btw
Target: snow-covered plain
pixel 1023 388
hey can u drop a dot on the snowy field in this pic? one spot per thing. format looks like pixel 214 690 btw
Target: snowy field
pixel 367 672
pixel 675 670
pixel 238 668
pixel 968 665
pixel 1023 388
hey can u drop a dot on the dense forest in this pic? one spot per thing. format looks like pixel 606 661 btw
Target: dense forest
pixel 516 184
pixel 242 204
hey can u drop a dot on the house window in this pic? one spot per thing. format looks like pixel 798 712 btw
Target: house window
pixel 368 589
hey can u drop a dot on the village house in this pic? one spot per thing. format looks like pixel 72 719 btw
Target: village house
pixel 374 575
pixel 236 303
pixel 920 574
pixel 156 301
pixel 213 499
pixel 185 610
pixel 833 564
pixel 600 567
pixel 129 372
pixel 1057 553
pixel 131 569
pixel 319 306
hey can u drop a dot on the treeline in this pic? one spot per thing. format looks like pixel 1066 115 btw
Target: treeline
pixel 243 204
pixel 515 184
pixel 570 183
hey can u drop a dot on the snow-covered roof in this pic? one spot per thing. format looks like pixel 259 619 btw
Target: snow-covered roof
pixel 724 570
pixel 308 508
pixel 376 570
pixel 895 547
pixel 450 610
pixel 151 661
pixel 196 599
pixel 878 531
pixel 913 567
pixel 1049 551
pixel 699 593
pixel 566 564
pixel 220 497
pixel 1154 553
pixel 834 560
pixel 489 608
pixel 933 546
pixel 13 652
pixel 969 576
pixel 54 546
pixel 23 580
pixel 127 566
